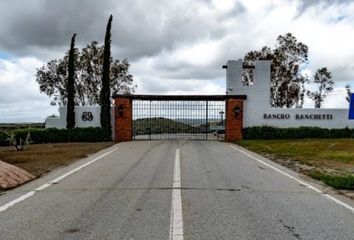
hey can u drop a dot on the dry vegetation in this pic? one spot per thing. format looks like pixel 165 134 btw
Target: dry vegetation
pixel 42 158
pixel 328 160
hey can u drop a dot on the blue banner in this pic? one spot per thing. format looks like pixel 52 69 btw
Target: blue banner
pixel 351 106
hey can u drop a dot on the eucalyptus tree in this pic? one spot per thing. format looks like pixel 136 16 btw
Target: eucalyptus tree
pixel 52 77
pixel 324 82
pixel 287 60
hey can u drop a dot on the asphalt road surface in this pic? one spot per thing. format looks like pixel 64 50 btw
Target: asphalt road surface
pixel 174 190
pixel 181 136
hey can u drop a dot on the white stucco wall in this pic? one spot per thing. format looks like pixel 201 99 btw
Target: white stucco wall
pixel 60 121
pixel 258 102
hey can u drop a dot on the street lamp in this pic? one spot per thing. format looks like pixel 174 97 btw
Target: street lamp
pixel 237 111
pixel 221 115
pixel 120 109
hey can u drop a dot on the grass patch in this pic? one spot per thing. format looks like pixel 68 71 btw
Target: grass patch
pixel 42 158
pixel 330 160
pixel 331 153
pixel 339 182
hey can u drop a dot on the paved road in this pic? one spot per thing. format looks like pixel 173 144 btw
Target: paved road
pixel 127 194
pixel 181 136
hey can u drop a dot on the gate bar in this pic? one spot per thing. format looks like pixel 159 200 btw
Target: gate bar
pixel 181 97
pixel 207 121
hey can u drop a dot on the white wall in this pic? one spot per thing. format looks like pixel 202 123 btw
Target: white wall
pixel 258 102
pixel 60 122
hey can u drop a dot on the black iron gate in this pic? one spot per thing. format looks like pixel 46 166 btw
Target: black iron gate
pixel 178 117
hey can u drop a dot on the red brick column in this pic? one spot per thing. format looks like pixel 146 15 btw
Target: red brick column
pixel 123 119
pixel 234 122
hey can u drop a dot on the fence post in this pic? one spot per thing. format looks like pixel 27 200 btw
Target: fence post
pixel 123 119
pixel 234 120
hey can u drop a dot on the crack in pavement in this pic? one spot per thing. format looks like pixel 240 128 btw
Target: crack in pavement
pixel 290 229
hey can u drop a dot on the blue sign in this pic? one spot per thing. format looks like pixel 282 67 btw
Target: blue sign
pixel 351 106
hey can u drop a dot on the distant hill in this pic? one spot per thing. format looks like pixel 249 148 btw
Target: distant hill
pixel 12 126
pixel 162 125
pixel 198 121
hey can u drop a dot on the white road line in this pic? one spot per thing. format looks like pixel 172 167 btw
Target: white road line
pixel 297 180
pixel 54 181
pixel 17 200
pixel 176 227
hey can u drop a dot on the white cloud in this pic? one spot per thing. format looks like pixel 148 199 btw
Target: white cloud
pixel 175 47
pixel 20 99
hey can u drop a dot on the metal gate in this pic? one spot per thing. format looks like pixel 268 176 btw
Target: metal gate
pixel 178 117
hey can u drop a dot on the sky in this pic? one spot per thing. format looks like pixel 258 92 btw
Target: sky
pixel 174 46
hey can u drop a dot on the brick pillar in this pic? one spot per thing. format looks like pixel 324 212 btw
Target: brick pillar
pixel 234 124
pixel 123 119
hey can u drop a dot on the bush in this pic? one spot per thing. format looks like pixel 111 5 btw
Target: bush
pixel 54 135
pixel 267 132
pixel 4 139
pixel 339 182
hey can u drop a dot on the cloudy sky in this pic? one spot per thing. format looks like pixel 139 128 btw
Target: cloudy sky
pixel 174 46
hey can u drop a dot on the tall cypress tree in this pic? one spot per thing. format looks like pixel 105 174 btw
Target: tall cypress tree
pixel 105 96
pixel 70 116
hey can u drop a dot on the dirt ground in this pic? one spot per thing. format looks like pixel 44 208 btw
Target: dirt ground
pixel 40 159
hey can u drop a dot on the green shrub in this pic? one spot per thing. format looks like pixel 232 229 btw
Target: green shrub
pixel 4 139
pixel 339 182
pixel 267 132
pixel 54 135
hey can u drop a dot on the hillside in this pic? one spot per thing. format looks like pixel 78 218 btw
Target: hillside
pixel 162 125
pixel 197 121
pixel 12 126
